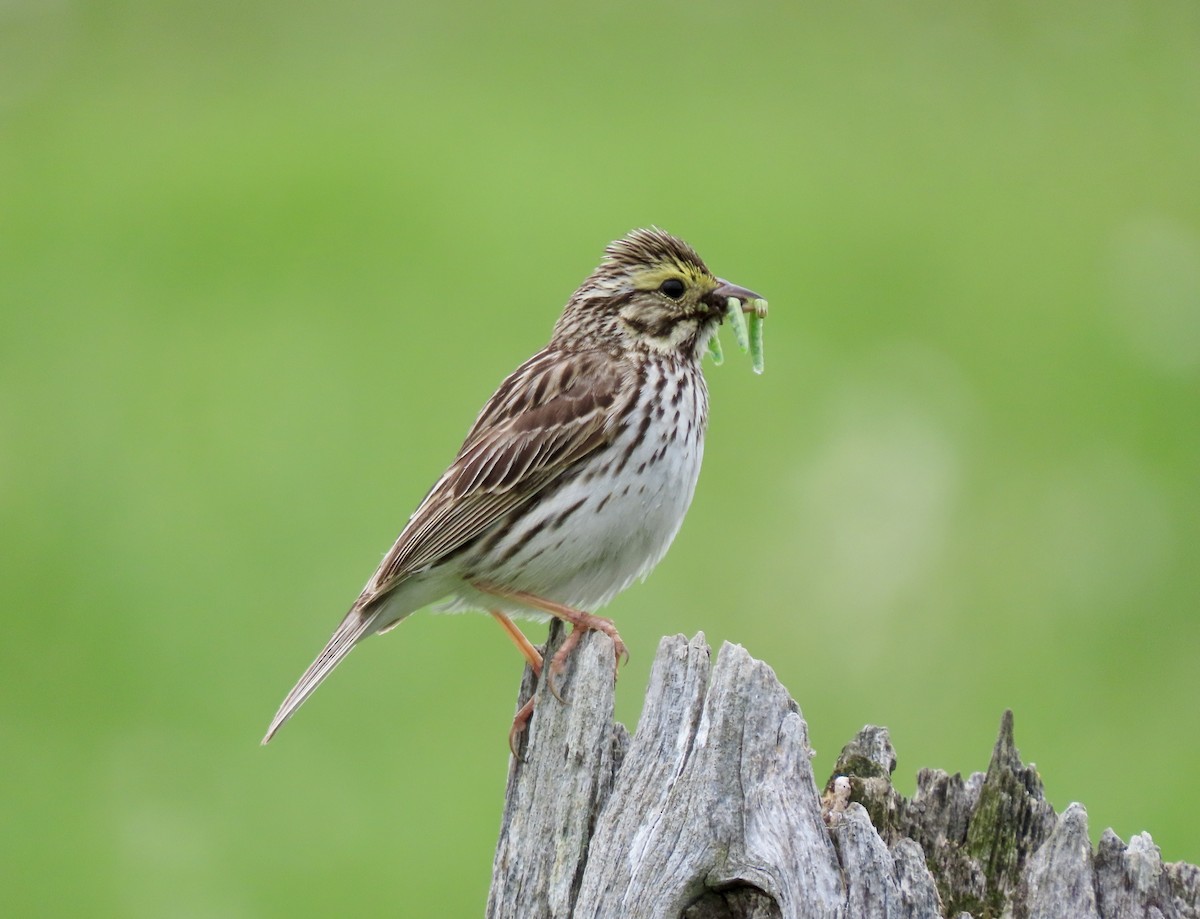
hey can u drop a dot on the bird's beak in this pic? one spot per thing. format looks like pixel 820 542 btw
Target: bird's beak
pixel 724 290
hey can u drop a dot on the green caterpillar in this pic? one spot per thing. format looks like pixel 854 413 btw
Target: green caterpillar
pixel 737 319
pixel 748 339
pixel 714 350
pixel 756 335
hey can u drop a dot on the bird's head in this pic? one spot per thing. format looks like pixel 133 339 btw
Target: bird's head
pixel 651 291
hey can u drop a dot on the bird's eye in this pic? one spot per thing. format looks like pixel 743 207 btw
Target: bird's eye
pixel 673 288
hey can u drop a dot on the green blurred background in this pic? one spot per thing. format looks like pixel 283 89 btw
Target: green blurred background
pixel 262 263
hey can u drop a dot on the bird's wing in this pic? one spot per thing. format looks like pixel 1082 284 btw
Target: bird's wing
pixel 551 412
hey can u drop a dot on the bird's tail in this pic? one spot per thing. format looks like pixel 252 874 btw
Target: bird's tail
pixel 357 625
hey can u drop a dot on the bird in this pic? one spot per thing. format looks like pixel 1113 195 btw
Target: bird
pixel 577 473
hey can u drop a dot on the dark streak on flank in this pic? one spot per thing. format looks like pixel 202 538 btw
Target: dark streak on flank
pixel 522 542
pixel 562 518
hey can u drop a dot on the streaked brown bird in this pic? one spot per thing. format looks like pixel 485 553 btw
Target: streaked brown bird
pixel 576 475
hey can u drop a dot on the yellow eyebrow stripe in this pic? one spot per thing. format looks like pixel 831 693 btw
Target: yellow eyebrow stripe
pixel 651 278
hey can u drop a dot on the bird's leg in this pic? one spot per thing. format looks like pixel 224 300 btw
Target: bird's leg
pixel 524 645
pixel 531 654
pixel 581 622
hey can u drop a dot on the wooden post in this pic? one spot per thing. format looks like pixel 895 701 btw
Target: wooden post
pixel 711 810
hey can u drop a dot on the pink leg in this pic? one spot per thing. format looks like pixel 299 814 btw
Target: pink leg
pixel 524 645
pixel 582 622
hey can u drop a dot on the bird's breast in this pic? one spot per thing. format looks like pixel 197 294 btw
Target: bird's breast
pixel 613 517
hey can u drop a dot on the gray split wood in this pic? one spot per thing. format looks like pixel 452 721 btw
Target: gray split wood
pixel 712 810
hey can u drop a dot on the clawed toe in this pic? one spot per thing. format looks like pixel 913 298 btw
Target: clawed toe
pixel 621 652
pixel 520 723
pixel 580 621
pixel 558 663
pixel 596 624
pixel 552 681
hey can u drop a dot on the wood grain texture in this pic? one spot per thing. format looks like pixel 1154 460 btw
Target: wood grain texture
pixel 711 811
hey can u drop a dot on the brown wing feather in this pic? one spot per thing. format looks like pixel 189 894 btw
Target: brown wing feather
pixel 542 420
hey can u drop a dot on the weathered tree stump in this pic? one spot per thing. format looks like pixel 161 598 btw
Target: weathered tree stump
pixel 711 810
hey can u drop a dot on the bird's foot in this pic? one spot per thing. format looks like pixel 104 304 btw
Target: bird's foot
pixel 580 621
pixel 520 723
pixel 588 623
